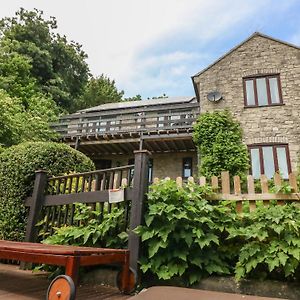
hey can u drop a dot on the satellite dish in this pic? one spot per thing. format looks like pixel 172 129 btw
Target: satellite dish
pixel 214 96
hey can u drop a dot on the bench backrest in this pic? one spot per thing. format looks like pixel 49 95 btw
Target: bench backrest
pixel 53 198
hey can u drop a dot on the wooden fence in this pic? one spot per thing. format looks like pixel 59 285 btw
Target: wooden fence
pixel 53 198
pixel 250 194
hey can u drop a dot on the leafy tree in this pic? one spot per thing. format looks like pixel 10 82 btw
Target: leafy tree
pixel 100 90
pixel 9 113
pixel 219 140
pixel 134 98
pixel 15 75
pixel 58 66
pixel 18 123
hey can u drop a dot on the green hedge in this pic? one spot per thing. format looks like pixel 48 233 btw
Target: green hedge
pixel 17 172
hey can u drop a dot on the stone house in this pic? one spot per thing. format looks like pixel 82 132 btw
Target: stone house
pixel 110 133
pixel 259 82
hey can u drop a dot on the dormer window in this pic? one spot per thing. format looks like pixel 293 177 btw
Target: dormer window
pixel 262 91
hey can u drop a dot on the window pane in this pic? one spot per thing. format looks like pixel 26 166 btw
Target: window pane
pixel 187 173
pixel 150 170
pixel 262 91
pixel 187 167
pixel 161 124
pixel 268 159
pixel 255 164
pixel 282 162
pixel 274 90
pixel 250 92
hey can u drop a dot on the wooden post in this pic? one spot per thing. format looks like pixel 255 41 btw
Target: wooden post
pixel 140 188
pixel 35 205
pixel 77 143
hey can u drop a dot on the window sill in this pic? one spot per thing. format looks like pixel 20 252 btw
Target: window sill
pixel 259 106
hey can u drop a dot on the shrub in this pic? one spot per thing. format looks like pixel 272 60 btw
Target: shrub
pixel 92 231
pixel 17 172
pixel 270 240
pixel 219 140
pixel 183 233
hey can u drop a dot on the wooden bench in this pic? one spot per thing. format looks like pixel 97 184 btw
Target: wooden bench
pixel 70 257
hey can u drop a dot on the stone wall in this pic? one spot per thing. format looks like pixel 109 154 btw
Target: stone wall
pixel 273 124
pixel 164 165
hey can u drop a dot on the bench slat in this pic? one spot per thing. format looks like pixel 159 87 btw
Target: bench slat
pixel 56 249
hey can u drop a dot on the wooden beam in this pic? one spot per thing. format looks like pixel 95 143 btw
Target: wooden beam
pixel 165 144
pixel 169 137
pixel 173 145
pixel 117 148
pixel 86 197
pixel 121 141
pixel 148 146
pixel 157 147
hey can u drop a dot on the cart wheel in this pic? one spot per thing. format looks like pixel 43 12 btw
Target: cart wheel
pixel 62 287
pixel 132 282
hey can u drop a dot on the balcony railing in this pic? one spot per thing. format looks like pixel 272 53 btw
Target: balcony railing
pixel 118 124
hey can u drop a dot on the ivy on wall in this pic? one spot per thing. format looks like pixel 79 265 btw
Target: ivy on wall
pixel 218 138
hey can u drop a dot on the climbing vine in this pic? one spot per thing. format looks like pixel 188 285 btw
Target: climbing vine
pixel 219 140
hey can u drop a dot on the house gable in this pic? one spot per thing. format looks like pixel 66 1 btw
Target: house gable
pixel 255 34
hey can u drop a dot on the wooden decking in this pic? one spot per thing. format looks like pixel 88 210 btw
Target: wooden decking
pixel 24 285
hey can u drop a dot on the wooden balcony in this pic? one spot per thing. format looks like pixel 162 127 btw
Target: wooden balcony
pixel 164 128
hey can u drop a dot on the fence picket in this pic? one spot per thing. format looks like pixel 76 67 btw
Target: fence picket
pixel 179 181
pixel 238 191
pixel 215 183
pixel 277 182
pixel 264 187
pixel 251 190
pixel 191 179
pixel 156 180
pixel 225 180
pixel 293 181
pixel 124 182
pixel 202 181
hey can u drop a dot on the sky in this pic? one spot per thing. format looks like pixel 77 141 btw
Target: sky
pixel 153 47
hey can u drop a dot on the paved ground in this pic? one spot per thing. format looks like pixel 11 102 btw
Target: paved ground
pixel 24 285
pixel 174 293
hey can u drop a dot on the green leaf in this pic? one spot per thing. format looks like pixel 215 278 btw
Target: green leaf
pixel 123 235
pixel 96 236
pixel 273 263
pixel 146 235
pixel 194 277
pixel 149 219
pixel 295 252
pixel 86 236
pixel 283 258
pixel 240 272
pixel 154 246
